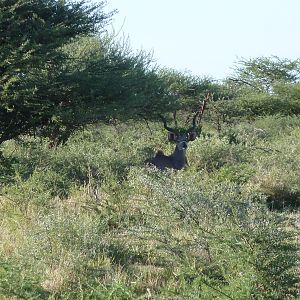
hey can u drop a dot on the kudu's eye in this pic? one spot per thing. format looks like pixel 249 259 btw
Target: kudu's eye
pixel 192 136
pixel 172 136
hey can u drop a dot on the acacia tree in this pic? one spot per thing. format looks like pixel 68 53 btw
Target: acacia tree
pixel 34 87
pixel 264 86
pixel 57 73
pixel 105 80
pixel 190 90
pixel 262 73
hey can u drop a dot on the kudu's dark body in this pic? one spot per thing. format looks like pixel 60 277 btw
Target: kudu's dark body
pixel 177 160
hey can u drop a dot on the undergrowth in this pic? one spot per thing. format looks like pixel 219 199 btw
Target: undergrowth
pixel 87 220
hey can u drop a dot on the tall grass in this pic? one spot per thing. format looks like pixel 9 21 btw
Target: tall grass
pixel 88 221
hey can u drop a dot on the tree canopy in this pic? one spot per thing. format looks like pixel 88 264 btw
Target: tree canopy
pixel 263 73
pixel 33 84
pixel 60 70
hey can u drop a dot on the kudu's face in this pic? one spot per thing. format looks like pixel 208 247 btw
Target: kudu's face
pixel 182 139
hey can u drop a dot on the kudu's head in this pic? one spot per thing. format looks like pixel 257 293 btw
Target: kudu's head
pixel 181 138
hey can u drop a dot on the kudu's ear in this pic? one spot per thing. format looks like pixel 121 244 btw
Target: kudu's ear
pixel 172 136
pixel 192 136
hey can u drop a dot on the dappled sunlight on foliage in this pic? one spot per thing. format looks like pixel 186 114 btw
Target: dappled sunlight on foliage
pixel 99 222
pixel 83 217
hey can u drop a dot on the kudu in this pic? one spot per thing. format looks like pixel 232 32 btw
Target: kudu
pixel 177 160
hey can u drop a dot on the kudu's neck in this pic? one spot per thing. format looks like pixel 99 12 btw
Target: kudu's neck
pixel 179 157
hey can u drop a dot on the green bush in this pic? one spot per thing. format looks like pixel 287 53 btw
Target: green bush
pixel 87 220
pixel 219 234
pixel 17 283
pixel 251 105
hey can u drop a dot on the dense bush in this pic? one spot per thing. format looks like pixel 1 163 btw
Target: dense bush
pixel 83 218
pixel 35 90
pixel 87 220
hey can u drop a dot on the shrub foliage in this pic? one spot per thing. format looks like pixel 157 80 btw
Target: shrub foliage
pixel 86 220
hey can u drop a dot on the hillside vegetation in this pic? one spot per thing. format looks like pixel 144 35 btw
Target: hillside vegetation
pixel 83 218
pixel 87 220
